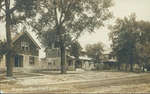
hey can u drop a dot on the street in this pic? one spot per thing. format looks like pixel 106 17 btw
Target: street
pixel 94 82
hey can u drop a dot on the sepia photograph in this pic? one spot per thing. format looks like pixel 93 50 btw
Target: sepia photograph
pixel 74 46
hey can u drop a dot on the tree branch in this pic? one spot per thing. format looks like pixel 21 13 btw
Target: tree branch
pixel 1 5
pixel 1 1
pixel 55 11
pixel 12 10
pixel 67 9
pixel 1 8
pixel 62 11
pixel 2 17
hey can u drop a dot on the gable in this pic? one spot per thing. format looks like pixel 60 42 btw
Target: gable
pixel 25 36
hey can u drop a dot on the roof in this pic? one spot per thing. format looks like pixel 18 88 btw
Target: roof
pixel 71 57
pixel 85 58
pixel 31 38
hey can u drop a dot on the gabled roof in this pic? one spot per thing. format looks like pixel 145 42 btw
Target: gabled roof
pixel 31 38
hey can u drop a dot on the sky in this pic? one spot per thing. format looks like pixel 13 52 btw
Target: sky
pixel 120 9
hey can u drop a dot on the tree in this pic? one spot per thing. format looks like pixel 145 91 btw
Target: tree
pixel 95 51
pixel 12 14
pixel 130 41
pixel 143 44
pixel 75 49
pixel 69 18
pixel 124 40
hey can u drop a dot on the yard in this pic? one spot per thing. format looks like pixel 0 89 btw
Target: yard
pixel 79 81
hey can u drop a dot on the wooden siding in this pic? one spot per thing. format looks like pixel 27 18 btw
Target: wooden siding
pixel 33 50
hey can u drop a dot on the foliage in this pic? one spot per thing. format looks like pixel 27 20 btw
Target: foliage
pixel 67 19
pixel 75 49
pixel 4 49
pixel 18 9
pixel 13 12
pixel 130 40
pixel 143 43
pixel 95 51
pixel 124 39
pixel 71 17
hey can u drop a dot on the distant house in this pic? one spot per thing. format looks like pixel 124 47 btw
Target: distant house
pixel 26 55
pixel 109 60
pixel 53 58
pixel 86 63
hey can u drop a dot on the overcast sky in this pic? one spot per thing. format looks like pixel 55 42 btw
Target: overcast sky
pixel 120 9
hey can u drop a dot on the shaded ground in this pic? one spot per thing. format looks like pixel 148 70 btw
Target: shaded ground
pixel 45 81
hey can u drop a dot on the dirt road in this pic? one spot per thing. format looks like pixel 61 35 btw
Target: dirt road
pixel 126 84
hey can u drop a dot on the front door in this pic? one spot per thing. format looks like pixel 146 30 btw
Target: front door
pixel 18 61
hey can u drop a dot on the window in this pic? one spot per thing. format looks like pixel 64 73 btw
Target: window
pixel 90 64
pixel 31 60
pixel 110 57
pixel 59 53
pixel 49 63
pixel 54 62
pixel 25 46
pixel 70 63
pixel 18 61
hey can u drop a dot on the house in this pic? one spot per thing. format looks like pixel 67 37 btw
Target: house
pixel 86 63
pixel 53 58
pixel 26 57
pixel 109 60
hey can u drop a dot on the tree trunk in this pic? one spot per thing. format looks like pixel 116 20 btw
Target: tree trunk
pixel 63 59
pixel 118 66
pixel 143 69
pixel 131 66
pixel 9 64
pixel 126 67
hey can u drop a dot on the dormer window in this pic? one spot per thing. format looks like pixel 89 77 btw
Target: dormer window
pixel 25 46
